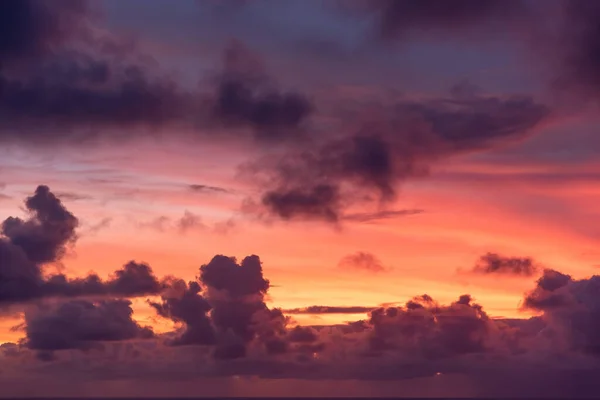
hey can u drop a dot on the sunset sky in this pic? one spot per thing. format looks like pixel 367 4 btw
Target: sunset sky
pixel 366 151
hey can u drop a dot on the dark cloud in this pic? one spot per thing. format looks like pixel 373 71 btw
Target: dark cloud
pixel 184 304
pixel 133 280
pixel 20 278
pixel 79 324
pixel 422 338
pixel 330 310
pixel 396 19
pixel 43 238
pixel 580 47
pixel 58 73
pixel 362 261
pixel 302 334
pixel 492 263
pixel 31 28
pixel 245 97
pixel 425 327
pixel 546 293
pixel 237 280
pixel 230 314
pixel 571 310
pixel 50 228
pixel 236 293
pixel 61 81
pixel 321 181
pixel 48 104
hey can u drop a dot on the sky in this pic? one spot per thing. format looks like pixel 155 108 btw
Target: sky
pixel 299 197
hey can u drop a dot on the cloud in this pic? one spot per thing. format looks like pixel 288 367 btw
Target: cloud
pixel 362 261
pixel 570 310
pixel 64 81
pixel 236 293
pixel 32 29
pixel 322 180
pixel 79 324
pixel 27 245
pixel 133 280
pixel 183 303
pixel 330 310
pixel 70 196
pixel 422 338
pixel 207 189
pixel 431 330
pixel 100 225
pixel 245 97
pixel 369 217
pixel 230 314
pixel 579 44
pixel 190 221
pixel 492 263
pixel 45 235
pixel 395 19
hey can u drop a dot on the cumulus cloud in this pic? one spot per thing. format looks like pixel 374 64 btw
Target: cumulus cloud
pixel 184 304
pixel 26 245
pixel 80 324
pixel 570 309
pixel 50 228
pixel 230 314
pixel 418 339
pixel 492 263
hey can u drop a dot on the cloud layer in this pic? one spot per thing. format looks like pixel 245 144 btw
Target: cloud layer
pixel 225 315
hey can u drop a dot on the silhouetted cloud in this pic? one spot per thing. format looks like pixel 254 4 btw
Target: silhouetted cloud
pixel 330 310
pixel 362 261
pixel 79 324
pixel 236 293
pixel 229 314
pixel 302 334
pixel 45 235
pixel 492 263
pixel 183 303
pixel 133 280
pixel 570 309
pixel 237 280
pixel 431 330
pixel 63 81
pixel 43 238
pixel 546 294
pixel 320 181
pixel 245 97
